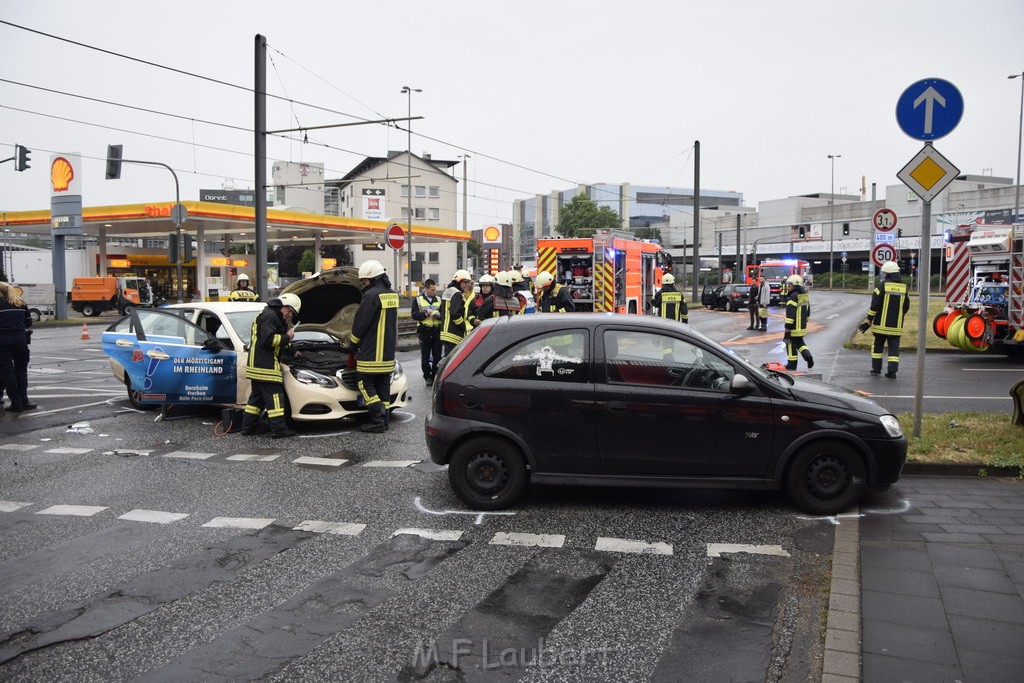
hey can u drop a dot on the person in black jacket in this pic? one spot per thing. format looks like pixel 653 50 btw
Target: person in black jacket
pixel 374 337
pixel 669 302
pixel 271 332
pixel 885 318
pixel 15 324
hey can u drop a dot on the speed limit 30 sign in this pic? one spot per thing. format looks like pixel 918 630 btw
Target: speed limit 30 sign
pixel 882 253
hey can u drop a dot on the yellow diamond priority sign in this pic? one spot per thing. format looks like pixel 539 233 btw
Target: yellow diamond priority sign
pixel 928 173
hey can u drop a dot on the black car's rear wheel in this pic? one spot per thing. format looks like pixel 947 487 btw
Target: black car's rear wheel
pixel 487 473
pixel 826 478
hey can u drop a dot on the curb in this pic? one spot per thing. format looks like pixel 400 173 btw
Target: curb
pixel 960 470
pixel 843 646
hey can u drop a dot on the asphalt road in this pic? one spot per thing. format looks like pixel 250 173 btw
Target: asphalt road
pixel 137 546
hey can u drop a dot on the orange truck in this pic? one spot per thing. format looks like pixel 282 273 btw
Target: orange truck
pixel 91 296
pixel 775 272
pixel 609 272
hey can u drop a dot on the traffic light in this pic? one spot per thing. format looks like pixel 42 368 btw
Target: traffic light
pixel 846 229
pixel 172 247
pixel 803 231
pixel 113 162
pixel 899 232
pixel 21 154
pixel 189 248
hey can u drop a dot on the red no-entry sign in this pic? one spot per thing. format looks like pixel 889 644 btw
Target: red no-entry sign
pixel 396 236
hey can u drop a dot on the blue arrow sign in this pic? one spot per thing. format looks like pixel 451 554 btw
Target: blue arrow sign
pixel 929 109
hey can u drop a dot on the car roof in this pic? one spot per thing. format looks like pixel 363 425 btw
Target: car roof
pixel 537 322
pixel 221 306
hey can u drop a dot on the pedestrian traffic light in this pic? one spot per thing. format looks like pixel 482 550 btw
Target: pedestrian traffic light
pixel 172 247
pixel 846 229
pixel 189 247
pixel 21 154
pixel 113 162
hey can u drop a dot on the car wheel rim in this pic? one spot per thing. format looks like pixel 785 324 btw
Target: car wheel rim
pixel 487 473
pixel 827 478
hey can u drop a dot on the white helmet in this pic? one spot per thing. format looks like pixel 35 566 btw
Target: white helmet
pixel 667 279
pixel 504 278
pixel 516 276
pixel 242 277
pixel 544 278
pixel 795 280
pixel 890 267
pixel 291 300
pixel 370 269
pixel 461 275
pixel 486 280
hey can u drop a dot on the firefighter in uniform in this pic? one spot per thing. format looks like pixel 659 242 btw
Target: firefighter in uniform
pixel 242 291
pixel 453 310
pixel 374 337
pixel 271 331
pixel 502 301
pixel 426 312
pixel 486 283
pixel 668 302
pixel 522 291
pixel 798 311
pixel 889 304
pixel 552 297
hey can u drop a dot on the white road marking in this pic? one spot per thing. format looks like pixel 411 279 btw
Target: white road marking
pixel 310 460
pixel 12 506
pixel 431 534
pixel 37 413
pixel 75 510
pixel 127 451
pixel 338 528
pixel 738 336
pixel 46 371
pixel 189 455
pixel 479 515
pixel 239 522
pixel 56 358
pixel 94 392
pixel 965 398
pixel 622 545
pixel 18 446
pixel 528 540
pixel 1017 370
pixel 70 451
pixel 154 516
pixel 829 317
pixel 716 549
pixel 253 457
pixel 390 463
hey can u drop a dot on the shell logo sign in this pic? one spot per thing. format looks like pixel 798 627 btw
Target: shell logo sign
pixel 61 174
pixel 492 234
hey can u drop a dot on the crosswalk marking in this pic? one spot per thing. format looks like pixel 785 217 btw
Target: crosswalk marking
pixel 18 446
pixel 430 534
pixel 70 451
pixel 390 463
pixel 12 506
pixel 339 528
pixel 310 460
pixel 622 545
pixel 154 516
pixel 535 540
pixel 189 455
pixel 716 549
pixel 74 510
pixel 253 457
pixel 239 522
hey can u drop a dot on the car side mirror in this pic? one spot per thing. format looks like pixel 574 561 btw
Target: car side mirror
pixel 741 385
pixel 213 345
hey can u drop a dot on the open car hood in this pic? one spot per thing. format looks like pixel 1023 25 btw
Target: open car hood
pixel 330 300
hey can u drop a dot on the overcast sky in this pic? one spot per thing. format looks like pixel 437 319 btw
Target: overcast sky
pixel 541 95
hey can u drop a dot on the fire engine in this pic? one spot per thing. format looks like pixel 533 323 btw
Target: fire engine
pixel 776 271
pixel 609 272
pixel 984 290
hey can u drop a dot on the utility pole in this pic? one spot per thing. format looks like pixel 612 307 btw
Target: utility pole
pixel 465 213
pixel 696 216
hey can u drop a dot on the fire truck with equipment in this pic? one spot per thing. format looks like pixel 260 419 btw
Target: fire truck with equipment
pixel 776 271
pixel 609 272
pixel 984 289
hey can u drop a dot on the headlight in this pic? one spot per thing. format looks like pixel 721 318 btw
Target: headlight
pixel 310 377
pixel 398 372
pixel 892 426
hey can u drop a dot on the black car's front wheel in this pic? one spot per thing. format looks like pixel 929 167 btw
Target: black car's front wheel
pixel 487 473
pixel 826 478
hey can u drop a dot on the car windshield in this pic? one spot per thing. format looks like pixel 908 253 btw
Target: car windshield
pixel 313 336
pixel 241 322
pixel 776 272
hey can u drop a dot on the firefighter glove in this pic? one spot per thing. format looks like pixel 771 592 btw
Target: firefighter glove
pixel 864 326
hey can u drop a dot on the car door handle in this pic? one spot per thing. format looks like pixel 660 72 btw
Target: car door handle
pixel 618 406
pixel 124 342
pixel 158 355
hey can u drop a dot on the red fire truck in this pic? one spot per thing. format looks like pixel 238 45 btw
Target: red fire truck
pixel 776 271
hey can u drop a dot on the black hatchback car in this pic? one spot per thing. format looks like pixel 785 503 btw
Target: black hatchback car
pixel 626 400
pixel 730 297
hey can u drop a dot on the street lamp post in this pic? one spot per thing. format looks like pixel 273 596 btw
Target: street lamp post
pixel 465 213
pixel 1020 133
pixel 832 217
pixel 409 91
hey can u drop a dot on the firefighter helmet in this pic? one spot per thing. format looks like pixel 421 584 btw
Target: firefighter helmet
pixel 516 275
pixel 795 279
pixel 242 277
pixel 890 267
pixel 461 275
pixel 504 278
pixel 291 300
pixel 667 279
pixel 486 280
pixel 544 278
pixel 370 269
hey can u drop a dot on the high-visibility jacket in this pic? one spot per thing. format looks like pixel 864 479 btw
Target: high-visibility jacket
pixel 423 308
pixel 798 310
pixel 453 315
pixel 375 329
pixel 268 340
pixel 889 305
pixel 670 304
pixel 555 299
pixel 243 294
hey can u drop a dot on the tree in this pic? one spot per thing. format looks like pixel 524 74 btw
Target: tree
pixel 582 217
pixel 307 262
pixel 474 252
pixel 648 234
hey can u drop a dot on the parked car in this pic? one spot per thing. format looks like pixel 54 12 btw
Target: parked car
pixel 197 352
pixel 593 399
pixel 730 297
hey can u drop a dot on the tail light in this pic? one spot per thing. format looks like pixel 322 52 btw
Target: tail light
pixel 463 350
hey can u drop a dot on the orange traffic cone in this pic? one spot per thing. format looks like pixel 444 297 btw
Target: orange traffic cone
pixel 85 331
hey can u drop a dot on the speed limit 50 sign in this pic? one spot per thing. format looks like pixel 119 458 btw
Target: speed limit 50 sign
pixel 884 252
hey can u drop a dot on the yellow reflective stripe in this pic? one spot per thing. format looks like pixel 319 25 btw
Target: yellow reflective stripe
pixel 375 367
pixel 353 338
pixel 252 410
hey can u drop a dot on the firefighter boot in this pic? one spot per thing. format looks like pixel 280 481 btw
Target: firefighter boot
pixel 806 353
pixel 377 424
